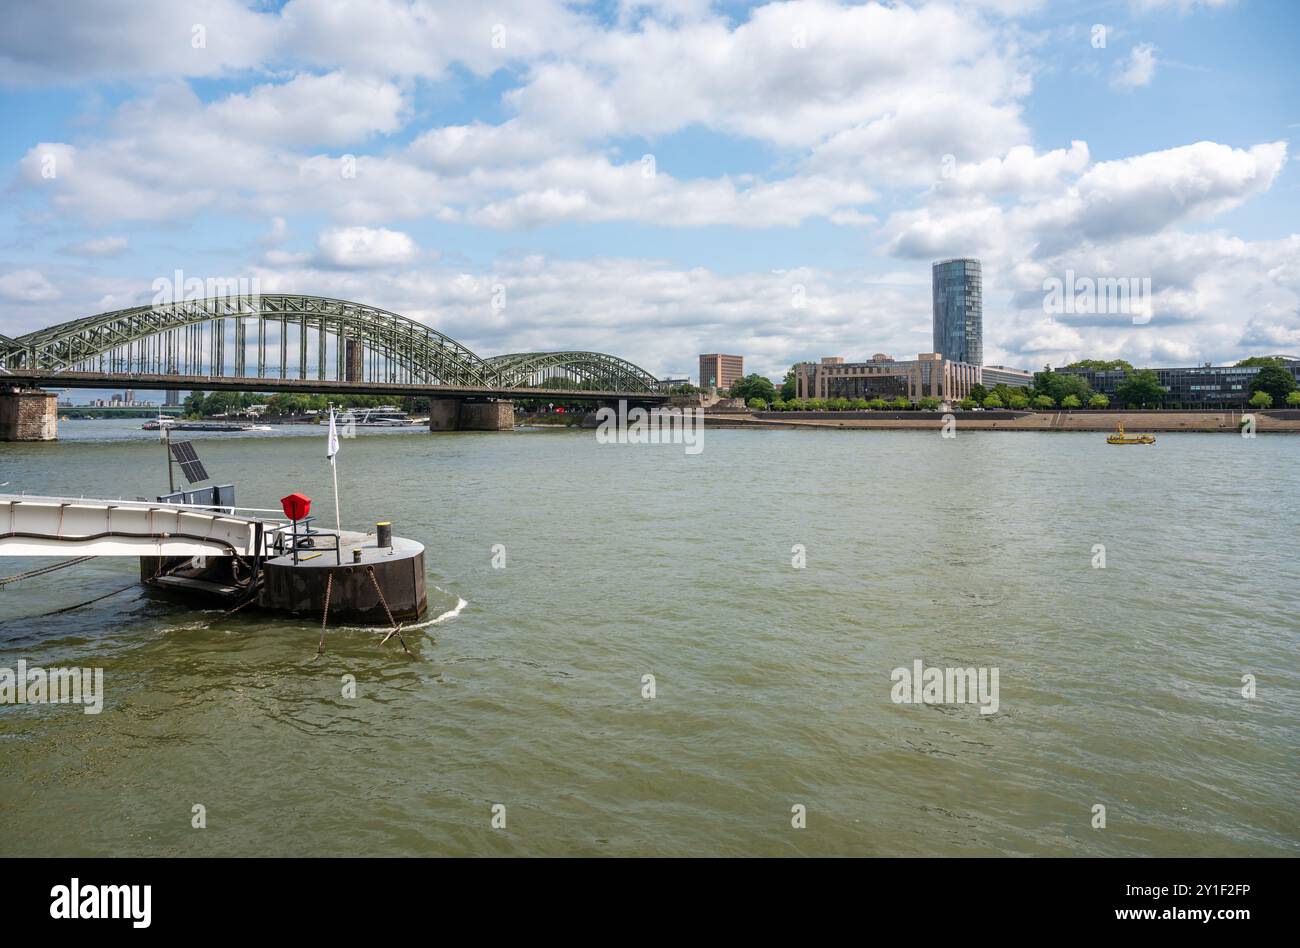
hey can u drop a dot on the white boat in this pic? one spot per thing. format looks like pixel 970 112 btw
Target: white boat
pixel 385 416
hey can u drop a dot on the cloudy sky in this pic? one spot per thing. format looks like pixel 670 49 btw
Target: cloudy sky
pixel 657 180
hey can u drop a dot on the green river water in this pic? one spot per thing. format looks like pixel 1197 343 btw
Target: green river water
pixel 1119 686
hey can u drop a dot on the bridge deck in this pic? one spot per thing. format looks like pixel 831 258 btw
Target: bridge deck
pixel 206 383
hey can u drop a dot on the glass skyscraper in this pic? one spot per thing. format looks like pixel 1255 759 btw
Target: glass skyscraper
pixel 959 310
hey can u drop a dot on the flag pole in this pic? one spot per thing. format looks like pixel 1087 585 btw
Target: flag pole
pixel 338 521
pixel 332 450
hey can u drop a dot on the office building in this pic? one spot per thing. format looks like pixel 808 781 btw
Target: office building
pixel 1001 375
pixel 721 370
pixel 1206 386
pixel 958 291
pixel 670 382
pixel 928 375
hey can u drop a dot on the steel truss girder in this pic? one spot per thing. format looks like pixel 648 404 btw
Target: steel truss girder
pixel 425 355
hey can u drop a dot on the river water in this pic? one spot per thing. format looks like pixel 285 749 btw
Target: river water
pixel 1118 686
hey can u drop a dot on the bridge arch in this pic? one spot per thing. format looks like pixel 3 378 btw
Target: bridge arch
pixel 595 370
pixel 267 336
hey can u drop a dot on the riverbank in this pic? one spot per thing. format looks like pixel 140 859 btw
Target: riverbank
pixel 1134 421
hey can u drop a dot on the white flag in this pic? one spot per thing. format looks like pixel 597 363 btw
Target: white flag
pixel 333 447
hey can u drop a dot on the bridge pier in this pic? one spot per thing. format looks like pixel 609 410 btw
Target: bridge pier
pixel 456 414
pixel 29 414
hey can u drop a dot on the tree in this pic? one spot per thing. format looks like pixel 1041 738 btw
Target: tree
pixel 859 404
pixel 1071 401
pixel 929 403
pixel 1101 365
pixel 1018 400
pixel 966 404
pixel 1004 392
pixel 1261 361
pixel 979 392
pixel 788 386
pixel 900 403
pixel 758 404
pixel 1274 380
pixel 1293 399
pixel 1056 385
pixel 1141 388
pixel 1044 402
pixel 754 386
pixel 992 401
pixel 877 404
pixel 1099 401
pixel 1261 399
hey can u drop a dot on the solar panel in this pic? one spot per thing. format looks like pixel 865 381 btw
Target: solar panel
pixel 183 452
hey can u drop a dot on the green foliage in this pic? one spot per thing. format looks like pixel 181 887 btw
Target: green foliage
pixel 1071 401
pixel 966 404
pixel 979 392
pixel 1261 361
pixel 992 401
pixel 1099 401
pixel 1101 365
pixel 929 403
pixel 1044 402
pixel 757 404
pixel 754 386
pixel 877 404
pixel 1274 380
pixel 1018 400
pixel 900 404
pixel 1141 389
pixel 1261 399
pixel 1056 386
pixel 788 386
pixel 1004 392
pixel 1293 399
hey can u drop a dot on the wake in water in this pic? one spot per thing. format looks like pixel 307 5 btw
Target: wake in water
pixel 449 614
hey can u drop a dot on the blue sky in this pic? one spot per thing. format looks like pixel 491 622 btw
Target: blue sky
pixel 806 153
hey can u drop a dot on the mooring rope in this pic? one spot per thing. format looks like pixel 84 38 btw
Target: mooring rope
pixel 42 570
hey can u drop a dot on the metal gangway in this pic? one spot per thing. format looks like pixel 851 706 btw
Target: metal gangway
pixel 33 525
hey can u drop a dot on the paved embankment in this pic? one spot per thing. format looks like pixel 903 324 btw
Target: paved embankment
pixel 1134 421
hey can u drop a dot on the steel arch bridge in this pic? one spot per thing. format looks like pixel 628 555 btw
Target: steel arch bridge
pixel 293 338
pixel 587 369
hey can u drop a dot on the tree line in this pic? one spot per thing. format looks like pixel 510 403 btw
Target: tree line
pixel 1140 388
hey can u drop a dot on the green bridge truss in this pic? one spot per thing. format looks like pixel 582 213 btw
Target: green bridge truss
pixel 280 336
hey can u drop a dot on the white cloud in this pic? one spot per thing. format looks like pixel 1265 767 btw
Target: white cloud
pixel 63 41
pixel 98 247
pixel 27 286
pixel 1139 69
pixel 1183 6
pixel 333 109
pixel 359 247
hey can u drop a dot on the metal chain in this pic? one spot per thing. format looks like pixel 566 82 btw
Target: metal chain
pixel 397 628
pixel 42 570
pixel 325 616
